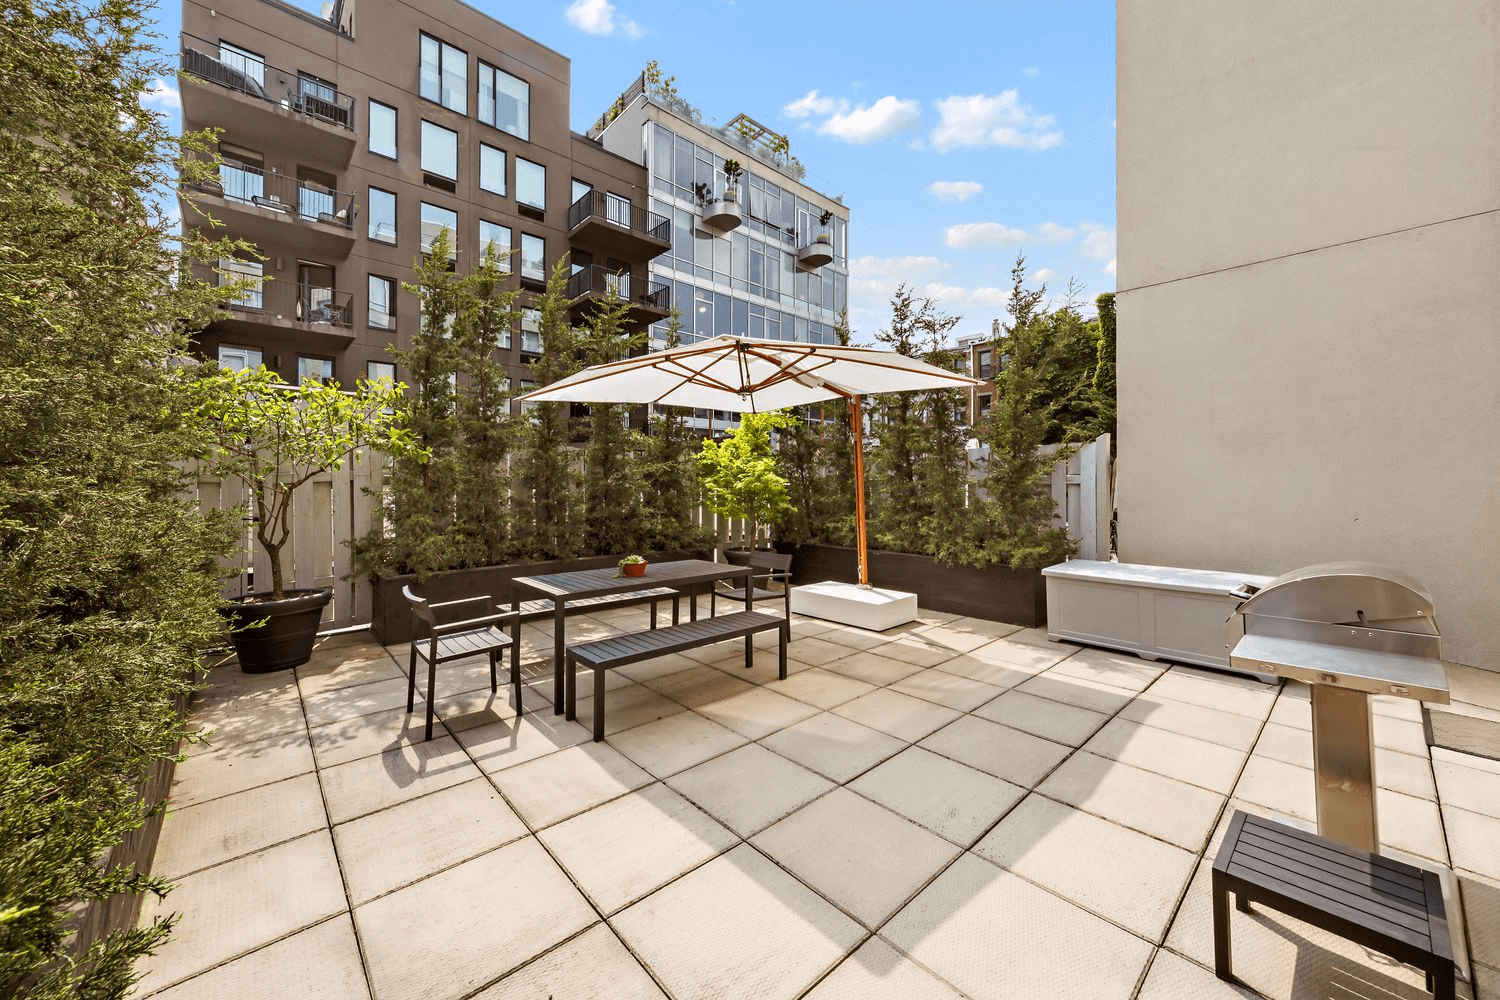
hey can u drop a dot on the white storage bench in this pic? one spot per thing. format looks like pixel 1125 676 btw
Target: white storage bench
pixel 1157 612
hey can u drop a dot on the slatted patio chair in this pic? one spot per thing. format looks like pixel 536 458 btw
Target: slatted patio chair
pixel 769 567
pixel 439 639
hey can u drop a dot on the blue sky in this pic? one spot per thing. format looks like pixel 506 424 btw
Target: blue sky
pixel 957 132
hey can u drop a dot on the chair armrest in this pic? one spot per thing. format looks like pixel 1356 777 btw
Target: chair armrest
pixel 461 600
pixel 471 623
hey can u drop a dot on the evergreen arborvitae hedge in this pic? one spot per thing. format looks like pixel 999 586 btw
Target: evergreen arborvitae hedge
pixel 107 584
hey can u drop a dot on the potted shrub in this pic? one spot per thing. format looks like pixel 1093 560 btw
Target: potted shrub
pixel 274 438
pixel 632 566
pixel 732 172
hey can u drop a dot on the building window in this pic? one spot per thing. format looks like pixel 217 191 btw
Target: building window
pixel 243 270
pixel 504 101
pixel 984 404
pixel 439 151
pixel 376 370
pixel 986 364
pixel 531 185
pixel 242 174
pixel 249 64
pixel 492 169
pixel 382 216
pixel 239 358
pixel 319 97
pixel 533 258
pixel 382 129
pixel 382 303
pixel 495 239
pixel 618 210
pixel 313 369
pixel 580 190
pixel 434 221
pixel 445 75
pixel 531 330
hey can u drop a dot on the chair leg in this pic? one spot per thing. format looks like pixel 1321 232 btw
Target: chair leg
pixel 431 681
pixel 569 691
pixel 411 680
pixel 786 635
pixel 515 672
pixel 494 679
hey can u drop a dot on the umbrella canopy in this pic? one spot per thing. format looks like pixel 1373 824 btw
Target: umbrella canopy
pixel 742 375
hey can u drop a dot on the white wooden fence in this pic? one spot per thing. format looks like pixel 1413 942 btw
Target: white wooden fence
pixel 334 509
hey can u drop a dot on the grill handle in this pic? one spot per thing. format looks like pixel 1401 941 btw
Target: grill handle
pixel 1244 592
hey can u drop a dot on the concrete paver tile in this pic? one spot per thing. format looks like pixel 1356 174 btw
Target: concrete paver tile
pixel 862 857
pixel 835 747
pixel 498 911
pixel 562 784
pixel 1083 692
pixel 923 650
pixel 820 688
pixel 750 788
pixel 950 690
pixel 1285 788
pixel 391 848
pixel 900 715
pixel 231 715
pixel 306 889
pixel 1288 745
pixel 1212 689
pixel 281 970
pixel 1182 757
pixel 592 966
pixel 755 931
pixel 363 735
pixel 1465 787
pixel 627 707
pixel 1151 803
pixel 963 634
pixel 1402 735
pixel 506 744
pixel 675 743
pixel 1115 669
pixel 656 668
pixel 364 663
pixel 1212 725
pixel 1473 841
pixel 1405 773
pixel 1172 978
pixel 953 800
pixel 817 650
pixel 1410 824
pixel 872 667
pixel 693 688
pixel 622 850
pixel 852 637
pixel 240 766
pixel 1037 636
pixel 1053 720
pixel 340 704
pixel 994 935
pixel 1481 902
pixel 369 783
pixel 1017 757
pixel 1065 849
pixel 1028 657
pixel 1294 712
pixel 757 712
pixel 879 972
pixel 227 827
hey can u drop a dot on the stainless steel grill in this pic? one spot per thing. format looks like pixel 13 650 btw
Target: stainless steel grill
pixel 1349 629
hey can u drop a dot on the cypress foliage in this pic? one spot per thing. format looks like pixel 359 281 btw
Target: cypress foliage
pixel 107 587
pixel 669 474
pixel 613 485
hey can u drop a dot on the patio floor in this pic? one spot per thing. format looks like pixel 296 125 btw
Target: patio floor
pixel 956 808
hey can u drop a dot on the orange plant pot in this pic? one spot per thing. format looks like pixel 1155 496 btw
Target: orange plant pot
pixel 634 569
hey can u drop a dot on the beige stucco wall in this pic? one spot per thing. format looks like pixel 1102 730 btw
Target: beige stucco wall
pixel 1309 269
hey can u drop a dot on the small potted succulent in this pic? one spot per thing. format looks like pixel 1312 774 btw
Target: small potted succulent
pixel 632 566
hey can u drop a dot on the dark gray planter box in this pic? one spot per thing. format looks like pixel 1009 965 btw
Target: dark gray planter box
pixel 390 614
pixel 996 593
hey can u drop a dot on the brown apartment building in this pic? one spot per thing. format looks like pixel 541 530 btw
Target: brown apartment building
pixel 350 140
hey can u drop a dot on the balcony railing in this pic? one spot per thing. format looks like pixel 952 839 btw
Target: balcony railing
pixel 316 305
pixel 619 213
pixel 253 78
pixel 297 199
pixel 598 280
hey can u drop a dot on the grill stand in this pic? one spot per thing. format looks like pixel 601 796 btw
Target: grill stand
pixel 1344 766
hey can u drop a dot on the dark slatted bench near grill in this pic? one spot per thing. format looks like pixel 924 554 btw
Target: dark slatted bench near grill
pixel 1378 902
pixel 542 607
pixel 619 650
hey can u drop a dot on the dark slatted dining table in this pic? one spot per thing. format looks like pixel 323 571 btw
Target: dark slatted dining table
pixel 683 574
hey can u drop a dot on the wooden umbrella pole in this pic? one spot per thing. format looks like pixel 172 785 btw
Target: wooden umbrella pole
pixel 859 490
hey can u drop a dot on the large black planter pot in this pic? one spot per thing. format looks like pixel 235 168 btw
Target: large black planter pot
pixel 996 593
pixel 286 639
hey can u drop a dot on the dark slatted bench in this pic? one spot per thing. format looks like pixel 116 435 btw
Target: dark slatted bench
pixel 619 650
pixel 542 607
pixel 1378 902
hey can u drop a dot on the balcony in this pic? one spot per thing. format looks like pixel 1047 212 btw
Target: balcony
pixel 594 286
pixel 264 105
pixel 613 226
pixel 722 213
pixel 816 253
pixel 267 208
pixel 319 316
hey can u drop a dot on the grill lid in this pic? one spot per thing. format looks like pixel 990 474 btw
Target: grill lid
pixel 1347 593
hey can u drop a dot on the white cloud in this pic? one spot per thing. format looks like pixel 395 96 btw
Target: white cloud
pixel 810 104
pixel 857 124
pixel 999 120
pixel 898 268
pixel 954 190
pixel 1110 267
pixel 1051 232
pixel 1031 71
pixel 597 17
pixel 162 94
pixel 974 235
pixel 1098 241
pixel 1043 274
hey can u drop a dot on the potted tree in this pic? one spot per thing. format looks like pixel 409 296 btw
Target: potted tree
pixel 739 476
pixel 732 172
pixel 274 438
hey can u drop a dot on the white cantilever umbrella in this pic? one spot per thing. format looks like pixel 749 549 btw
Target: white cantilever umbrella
pixel 757 376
